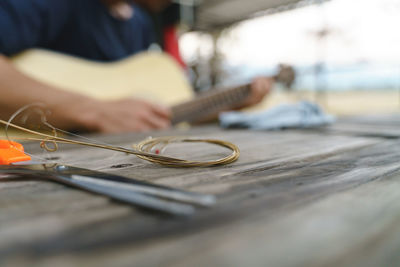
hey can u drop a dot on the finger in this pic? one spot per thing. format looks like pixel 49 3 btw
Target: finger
pixel 259 88
pixel 262 86
pixel 162 111
pixel 116 124
pixel 125 126
pixel 120 122
pixel 155 121
pixel 142 119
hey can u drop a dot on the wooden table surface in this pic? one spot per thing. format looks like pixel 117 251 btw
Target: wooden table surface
pixel 321 197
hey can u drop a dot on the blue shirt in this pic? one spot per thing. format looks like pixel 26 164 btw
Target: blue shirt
pixel 82 28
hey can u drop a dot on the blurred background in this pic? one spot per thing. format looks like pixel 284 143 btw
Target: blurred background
pixel 345 52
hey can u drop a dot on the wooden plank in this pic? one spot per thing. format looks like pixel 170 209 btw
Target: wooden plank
pixel 341 226
pixel 352 228
pixel 281 178
pixel 386 126
pixel 373 119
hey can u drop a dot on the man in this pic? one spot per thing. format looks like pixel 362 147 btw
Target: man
pixel 102 30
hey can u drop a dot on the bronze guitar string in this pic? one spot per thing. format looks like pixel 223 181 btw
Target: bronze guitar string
pixel 150 143
pixel 141 150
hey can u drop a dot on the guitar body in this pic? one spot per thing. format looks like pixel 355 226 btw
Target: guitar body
pixel 150 75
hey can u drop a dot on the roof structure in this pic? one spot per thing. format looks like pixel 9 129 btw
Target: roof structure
pixel 217 14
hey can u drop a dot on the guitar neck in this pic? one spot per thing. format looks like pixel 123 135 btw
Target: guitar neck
pixel 210 103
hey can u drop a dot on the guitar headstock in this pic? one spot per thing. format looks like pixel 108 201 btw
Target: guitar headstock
pixel 286 75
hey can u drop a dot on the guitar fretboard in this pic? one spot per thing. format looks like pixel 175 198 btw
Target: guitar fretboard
pixel 209 103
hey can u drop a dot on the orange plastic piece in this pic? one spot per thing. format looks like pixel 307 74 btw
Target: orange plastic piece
pixel 11 152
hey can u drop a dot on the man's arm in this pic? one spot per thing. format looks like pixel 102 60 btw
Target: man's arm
pixel 75 111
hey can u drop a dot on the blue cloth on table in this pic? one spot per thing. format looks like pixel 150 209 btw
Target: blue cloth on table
pixel 303 114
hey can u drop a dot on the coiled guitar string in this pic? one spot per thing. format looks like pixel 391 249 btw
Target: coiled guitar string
pixel 142 150
pixel 149 144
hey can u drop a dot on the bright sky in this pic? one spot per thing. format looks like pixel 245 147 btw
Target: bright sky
pixel 361 30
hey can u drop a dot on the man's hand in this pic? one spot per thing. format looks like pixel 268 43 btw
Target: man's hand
pixel 125 115
pixel 260 87
pixel 71 111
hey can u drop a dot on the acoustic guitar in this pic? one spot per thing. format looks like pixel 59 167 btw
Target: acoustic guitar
pixel 150 75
